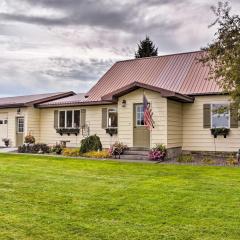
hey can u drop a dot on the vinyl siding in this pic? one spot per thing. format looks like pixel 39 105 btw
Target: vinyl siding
pixel 11 128
pixel 197 138
pixel 33 122
pixel 125 117
pixel 174 124
pixel 93 120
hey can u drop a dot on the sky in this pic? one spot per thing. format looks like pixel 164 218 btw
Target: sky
pixel 62 45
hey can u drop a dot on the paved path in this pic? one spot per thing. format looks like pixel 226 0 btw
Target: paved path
pixel 7 150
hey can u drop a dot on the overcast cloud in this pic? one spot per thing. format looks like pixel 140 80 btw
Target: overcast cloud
pixel 61 45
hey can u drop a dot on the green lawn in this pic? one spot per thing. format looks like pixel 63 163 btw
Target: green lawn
pixel 55 198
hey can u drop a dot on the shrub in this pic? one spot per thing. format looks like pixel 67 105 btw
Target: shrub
pixel 91 143
pixel 35 148
pixel 158 153
pixel 29 139
pixel 185 159
pixel 58 148
pixel 71 152
pixel 208 161
pixel 232 161
pixel 117 148
pixel 97 154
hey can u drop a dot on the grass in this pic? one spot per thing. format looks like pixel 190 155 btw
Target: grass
pixel 55 198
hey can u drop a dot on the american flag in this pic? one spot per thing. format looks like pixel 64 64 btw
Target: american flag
pixel 148 120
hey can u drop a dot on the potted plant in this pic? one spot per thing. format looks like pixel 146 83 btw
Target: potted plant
pixel 6 141
pixel 29 139
pixel 158 153
pixel 220 131
pixel 117 149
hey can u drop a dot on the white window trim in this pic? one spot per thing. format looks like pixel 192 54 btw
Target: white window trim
pixel 229 119
pixel 111 108
pixel 22 123
pixel 65 118
pixel 138 125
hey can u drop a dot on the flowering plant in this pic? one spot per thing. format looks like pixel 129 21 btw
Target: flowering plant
pixel 30 139
pixel 158 153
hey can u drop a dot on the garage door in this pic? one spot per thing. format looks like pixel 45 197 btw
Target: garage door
pixel 3 128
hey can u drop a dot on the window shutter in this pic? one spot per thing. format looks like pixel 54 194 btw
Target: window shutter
pixel 104 118
pixel 56 119
pixel 233 117
pixel 83 117
pixel 206 115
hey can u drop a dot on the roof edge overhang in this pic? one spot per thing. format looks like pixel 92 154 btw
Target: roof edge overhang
pixel 39 101
pixel 113 96
pixel 73 104
pixel 51 98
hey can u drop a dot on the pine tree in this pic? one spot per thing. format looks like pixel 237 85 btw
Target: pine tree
pixel 146 48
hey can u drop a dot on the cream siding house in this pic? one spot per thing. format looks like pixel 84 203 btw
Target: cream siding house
pixel 183 102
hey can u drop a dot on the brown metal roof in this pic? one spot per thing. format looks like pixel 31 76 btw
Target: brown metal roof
pixel 29 100
pixel 180 73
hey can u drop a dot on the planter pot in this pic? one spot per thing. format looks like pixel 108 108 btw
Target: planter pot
pixel 220 132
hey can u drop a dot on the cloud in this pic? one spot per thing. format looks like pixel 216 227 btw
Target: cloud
pixel 58 45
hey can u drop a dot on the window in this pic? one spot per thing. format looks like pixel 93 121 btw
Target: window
pixel 62 119
pixel 20 125
pixel 69 119
pixel 112 118
pixel 139 115
pixel 76 119
pixel 220 116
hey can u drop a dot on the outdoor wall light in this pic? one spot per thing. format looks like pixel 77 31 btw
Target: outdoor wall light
pixel 124 103
pixel 18 110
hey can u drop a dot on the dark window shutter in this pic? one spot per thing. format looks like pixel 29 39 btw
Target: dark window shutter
pixel 104 118
pixel 206 115
pixel 233 117
pixel 56 119
pixel 83 117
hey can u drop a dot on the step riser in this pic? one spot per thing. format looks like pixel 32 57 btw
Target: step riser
pixel 134 157
pixel 141 153
pixel 138 149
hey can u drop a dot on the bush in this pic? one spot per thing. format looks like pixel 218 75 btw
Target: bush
pixel 185 159
pixel 158 153
pixel 29 139
pixel 35 148
pixel 97 154
pixel 208 161
pixel 117 148
pixel 91 143
pixel 232 161
pixel 71 152
pixel 58 148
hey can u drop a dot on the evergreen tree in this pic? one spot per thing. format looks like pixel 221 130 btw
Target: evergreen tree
pixel 146 48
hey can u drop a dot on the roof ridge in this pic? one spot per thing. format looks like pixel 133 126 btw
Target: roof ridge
pixel 165 55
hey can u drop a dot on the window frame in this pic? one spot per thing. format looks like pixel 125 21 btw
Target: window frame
pixel 65 118
pixel 229 113
pixel 116 111
pixel 136 116
pixel 23 125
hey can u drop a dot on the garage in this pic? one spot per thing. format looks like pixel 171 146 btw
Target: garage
pixel 3 127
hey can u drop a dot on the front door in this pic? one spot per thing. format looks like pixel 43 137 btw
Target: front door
pixel 20 131
pixel 141 135
pixel 3 128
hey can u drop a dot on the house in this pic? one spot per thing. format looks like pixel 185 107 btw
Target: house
pixel 183 101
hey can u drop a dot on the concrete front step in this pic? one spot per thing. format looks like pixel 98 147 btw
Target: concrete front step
pixel 131 152
pixel 138 149
pixel 134 157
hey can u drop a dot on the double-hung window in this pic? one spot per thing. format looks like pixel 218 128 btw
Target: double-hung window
pixel 112 118
pixel 220 115
pixel 69 119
